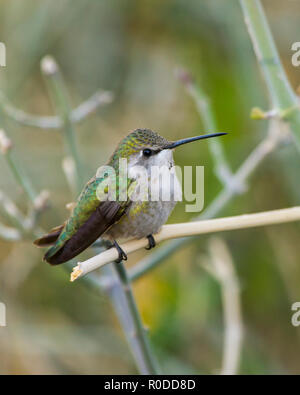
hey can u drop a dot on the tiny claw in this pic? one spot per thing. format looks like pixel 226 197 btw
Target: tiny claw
pixel 151 241
pixel 122 254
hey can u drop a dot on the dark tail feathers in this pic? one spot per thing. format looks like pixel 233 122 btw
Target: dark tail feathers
pixel 50 238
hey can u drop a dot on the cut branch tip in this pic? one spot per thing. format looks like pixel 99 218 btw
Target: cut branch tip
pixel 76 272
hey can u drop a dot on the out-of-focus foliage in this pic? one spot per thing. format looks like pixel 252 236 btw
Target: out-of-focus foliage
pixel 132 48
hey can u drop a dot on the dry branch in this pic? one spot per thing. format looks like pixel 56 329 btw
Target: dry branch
pixel 189 229
pixel 222 268
pixel 9 234
pixel 78 114
pixel 282 95
pixel 204 108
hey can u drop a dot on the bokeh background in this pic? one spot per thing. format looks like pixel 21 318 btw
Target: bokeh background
pixel 132 48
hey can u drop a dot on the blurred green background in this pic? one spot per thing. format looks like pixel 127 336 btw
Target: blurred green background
pixel 132 48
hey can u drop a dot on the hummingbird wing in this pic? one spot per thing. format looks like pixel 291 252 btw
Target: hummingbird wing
pixel 50 238
pixel 89 220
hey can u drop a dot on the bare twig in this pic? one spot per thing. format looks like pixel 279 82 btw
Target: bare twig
pixel 60 99
pixel 189 229
pixel 98 99
pixel 89 106
pixel 20 177
pixel 204 108
pixel 38 202
pixel 222 268
pixel 9 234
pixel 145 360
pixel 12 212
pixel 5 148
pixel 282 96
pixel 26 225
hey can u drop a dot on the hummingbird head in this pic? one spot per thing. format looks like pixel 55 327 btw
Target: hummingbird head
pixel 143 147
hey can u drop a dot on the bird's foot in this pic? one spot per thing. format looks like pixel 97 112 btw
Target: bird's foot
pixel 122 254
pixel 151 241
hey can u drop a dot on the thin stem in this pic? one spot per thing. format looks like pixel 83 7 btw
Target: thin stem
pixel 9 234
pixel 204 108
pixel 6 149
pixel 60 99
pixel 89 106
pixel 21 178
pixel 222 268
pixel 38 202
pixel 86 108
pixel 12 213
pixel 141 349
pixel 115 283
pixel 281 93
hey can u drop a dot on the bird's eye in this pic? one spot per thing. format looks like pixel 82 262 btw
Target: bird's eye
pixel 147 152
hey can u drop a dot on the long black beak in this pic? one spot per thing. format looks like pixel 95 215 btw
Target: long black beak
pixel 191 139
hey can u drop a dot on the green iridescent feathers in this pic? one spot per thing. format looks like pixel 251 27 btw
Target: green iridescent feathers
pixel 92 199
pixel 134 142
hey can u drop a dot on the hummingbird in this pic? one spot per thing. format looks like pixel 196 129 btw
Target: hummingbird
pixel 93 216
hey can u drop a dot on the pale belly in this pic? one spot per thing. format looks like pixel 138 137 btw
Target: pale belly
pixel 141 220
pixel 146 218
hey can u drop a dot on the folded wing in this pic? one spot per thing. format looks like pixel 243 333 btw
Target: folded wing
pixel 89 220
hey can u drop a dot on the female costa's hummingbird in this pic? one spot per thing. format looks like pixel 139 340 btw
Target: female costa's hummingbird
pixel 116 219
